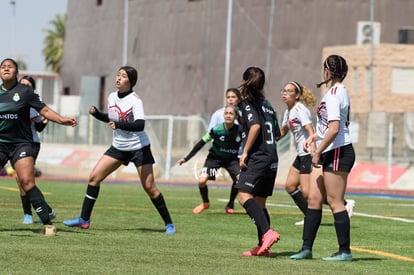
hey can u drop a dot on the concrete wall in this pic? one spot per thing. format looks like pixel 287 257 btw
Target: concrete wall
pixel 179 45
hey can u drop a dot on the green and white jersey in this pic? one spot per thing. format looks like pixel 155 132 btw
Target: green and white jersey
pixel 15 107
pixel 226 142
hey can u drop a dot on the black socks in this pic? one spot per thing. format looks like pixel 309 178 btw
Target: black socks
pixel 204 193
pixel 342 228
pixel 299 200
pixel 312 221
pixel 91 196
pixel 38 202
pixel 161 206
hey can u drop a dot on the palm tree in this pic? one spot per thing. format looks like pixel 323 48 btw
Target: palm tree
pixel 54 43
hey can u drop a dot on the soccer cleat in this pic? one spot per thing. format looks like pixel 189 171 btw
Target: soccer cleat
pixel 170 229
pixel 229 210
pixel 302 222
pixel 27 219
pixel 269 238
pixel 50 230
pixel 77 222
pixel 350 204
pixel 201 207
pixel 303 254
pixel 254 251
pixel 52 214
pixel 339 256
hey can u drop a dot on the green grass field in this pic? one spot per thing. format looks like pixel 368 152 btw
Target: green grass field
pixel 127 235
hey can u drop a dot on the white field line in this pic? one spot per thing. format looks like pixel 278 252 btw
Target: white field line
pixel 354 213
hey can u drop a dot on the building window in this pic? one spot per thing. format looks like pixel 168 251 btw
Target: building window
pixel 99 2
pixel 402 80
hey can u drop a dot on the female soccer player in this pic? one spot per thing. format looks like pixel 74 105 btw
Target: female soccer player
pixel 298 119
pixel 259 159
pixel 223 153
pixel 16 137
pixel 37 124
pixel 130 144
pixel 332 161
pixel 233 97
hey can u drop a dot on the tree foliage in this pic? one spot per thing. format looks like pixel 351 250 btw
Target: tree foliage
pixel 54 43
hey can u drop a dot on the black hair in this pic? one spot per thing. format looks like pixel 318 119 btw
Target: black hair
pixel 337 66
pixel 30 79
pixel 132 74
pixel 236 91
pixel 253 83
pixel 11 60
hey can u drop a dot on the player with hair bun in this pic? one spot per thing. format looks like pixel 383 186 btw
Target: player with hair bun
pixel 130 143
pixel 332 162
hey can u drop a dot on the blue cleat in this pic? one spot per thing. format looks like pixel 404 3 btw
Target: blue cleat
pixel 302 255
pixel 339 256
pixel 27 219
pixel 170 229
pixel 77 222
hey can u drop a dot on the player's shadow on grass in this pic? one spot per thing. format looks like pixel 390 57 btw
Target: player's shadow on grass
pixel 367 259
pixel 40 231
pixel 143 229
pixel 290 253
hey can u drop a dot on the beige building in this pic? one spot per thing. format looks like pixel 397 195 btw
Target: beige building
pixel 392 88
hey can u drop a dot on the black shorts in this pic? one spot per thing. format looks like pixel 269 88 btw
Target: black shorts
pixel 36 149
pixel 139 157
pixel 258 179
pixel 212 166
pixel 14 152
pixel 340 159
pixel 303 164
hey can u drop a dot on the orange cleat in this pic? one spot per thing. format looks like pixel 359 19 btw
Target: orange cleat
pixel 201 207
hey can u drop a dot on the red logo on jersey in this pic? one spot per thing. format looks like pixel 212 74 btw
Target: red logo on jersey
pixel 122 116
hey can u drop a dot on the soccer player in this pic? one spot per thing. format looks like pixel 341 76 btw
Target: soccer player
pixel 130 143
pixel 16 136
pixel 332 161
pixel 223 153
pixel 297 118
pixel 37 123
pixel 233 97
pixel 259 159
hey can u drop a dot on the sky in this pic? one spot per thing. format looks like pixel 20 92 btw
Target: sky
pixel 22 29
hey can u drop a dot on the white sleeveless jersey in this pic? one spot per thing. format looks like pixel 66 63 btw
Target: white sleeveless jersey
pixel 295 119
pixel 335 105
pixel 35 117
pixel 127 109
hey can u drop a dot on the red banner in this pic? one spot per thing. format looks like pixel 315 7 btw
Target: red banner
pixel 373 175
